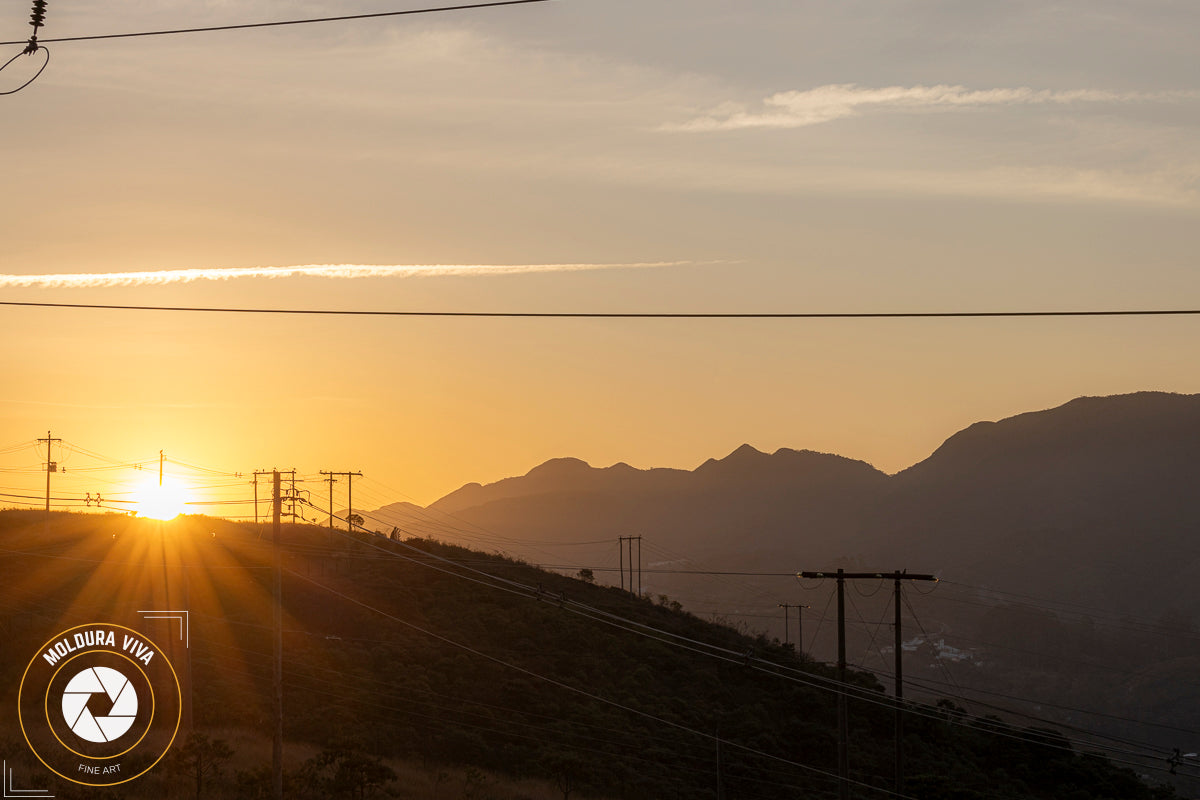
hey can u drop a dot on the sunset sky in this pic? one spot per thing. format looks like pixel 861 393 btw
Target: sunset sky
pixel 594 156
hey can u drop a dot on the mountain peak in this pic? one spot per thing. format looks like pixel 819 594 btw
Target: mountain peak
pixel 560 467
pixel 742 456
pixel 1088 429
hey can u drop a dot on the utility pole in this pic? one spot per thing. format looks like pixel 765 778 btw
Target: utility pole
pixel 292 496
pixel 160 460
pixel 718 738
pixel 843 717
pixel 187 651
pixel 349 476
pixel 277 667
pixel 899 670
pixel 50 467
pixel 799 624
pixel 621 545
pixel 332 481
pixel 843 711
pixel 258 472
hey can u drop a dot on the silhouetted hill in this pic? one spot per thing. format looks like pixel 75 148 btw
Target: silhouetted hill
pixel 786 502
pixel 454 659
pixel 1104 484
pixel 1095 493
pixel 1066 538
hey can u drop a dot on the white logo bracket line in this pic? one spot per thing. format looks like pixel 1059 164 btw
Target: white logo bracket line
pixel 24 793
pixel 185 634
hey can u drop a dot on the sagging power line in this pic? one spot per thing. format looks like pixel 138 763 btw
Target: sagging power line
pixel 284 22
pixel 39 14
pixel 1020 313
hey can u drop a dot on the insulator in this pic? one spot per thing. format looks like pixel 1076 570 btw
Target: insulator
pixel 38 15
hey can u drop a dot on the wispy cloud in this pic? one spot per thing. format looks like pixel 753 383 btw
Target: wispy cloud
pixel 89 280
pixel 798 109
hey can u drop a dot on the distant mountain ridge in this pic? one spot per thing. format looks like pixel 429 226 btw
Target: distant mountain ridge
pixel 1066 538
pixel 755 496
pixel 744 465
pixel 1094 479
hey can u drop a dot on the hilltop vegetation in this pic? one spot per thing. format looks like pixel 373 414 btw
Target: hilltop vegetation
pixel 491 671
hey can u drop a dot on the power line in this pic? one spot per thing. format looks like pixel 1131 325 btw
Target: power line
pixel 815 680
pixel 281 23
pixel 1113 312
pixel 384 712
pixel 583 692
pixel 628 625
pixel 841 688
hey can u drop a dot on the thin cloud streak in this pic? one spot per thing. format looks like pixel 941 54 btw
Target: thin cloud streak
pixel 90 280
pixel 798 109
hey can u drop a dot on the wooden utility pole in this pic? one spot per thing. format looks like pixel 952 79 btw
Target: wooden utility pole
pixel 349 476
pixel 277 622
pixel 621 544
pixel 50 467
pixel 899 670
pixel 843 717
pixel 843 711
pixel 332 481
pixel 292 496
pixel 720 792
pixel 799 624
pixel 187 652
pixel 258 472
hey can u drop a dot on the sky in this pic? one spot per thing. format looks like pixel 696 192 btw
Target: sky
pixel 592 156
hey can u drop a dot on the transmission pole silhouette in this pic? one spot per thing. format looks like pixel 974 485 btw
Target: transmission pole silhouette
pixel 51 466
pixel 258 472
pixel 332 481
pixel 289 495
pixel 277 642
pixel 799 624
pixel 349 476
pixel 621 545
pixel 843 718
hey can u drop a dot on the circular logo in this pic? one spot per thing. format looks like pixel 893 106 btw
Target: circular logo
pixel 99 704
pixel 99 682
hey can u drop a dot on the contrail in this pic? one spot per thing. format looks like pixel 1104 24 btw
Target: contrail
pixel 87 280
pixel 802 108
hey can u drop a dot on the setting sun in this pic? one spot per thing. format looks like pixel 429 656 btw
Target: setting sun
pixel 161 502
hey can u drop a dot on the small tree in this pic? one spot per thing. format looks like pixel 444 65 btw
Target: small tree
pixel 565 768
pixel 585 574
pixel 201 758
pixel 345 772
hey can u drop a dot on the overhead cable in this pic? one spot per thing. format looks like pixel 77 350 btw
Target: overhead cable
pixel 1111 312
pixel 281 23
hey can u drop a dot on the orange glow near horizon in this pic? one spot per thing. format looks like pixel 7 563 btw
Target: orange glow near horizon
pixel 163 502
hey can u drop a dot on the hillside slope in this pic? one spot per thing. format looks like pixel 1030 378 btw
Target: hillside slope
pixel 425 650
